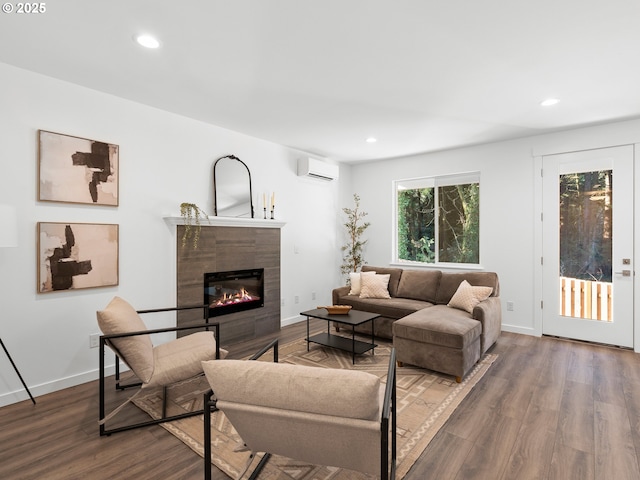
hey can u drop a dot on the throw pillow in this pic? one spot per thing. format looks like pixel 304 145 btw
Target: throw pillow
pixel 375 286
pixel 356 283
pixel 467 296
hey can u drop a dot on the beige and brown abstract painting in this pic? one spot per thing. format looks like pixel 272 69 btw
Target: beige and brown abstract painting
pixel 77 170
pixel 73 256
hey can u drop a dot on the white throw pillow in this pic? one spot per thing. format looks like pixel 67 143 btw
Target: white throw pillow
pixel 467 296
pixel 356 282
pixel 375 286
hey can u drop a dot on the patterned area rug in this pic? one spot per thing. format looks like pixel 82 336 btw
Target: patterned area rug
pixel 426 400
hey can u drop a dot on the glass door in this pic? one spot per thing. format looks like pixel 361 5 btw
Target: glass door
pixel 587 245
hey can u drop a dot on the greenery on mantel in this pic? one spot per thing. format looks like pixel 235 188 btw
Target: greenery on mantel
pixel 352 258
pixel 191 213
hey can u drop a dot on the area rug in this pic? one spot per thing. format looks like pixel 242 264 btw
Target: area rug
pixel 425 400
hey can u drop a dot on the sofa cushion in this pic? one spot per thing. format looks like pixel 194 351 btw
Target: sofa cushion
pixel 439 325
pixel 467 296
pixel 450 282
pixel 338 392
pixel 394 276
pixel 419 284
pixel 374 286
pixel 387 307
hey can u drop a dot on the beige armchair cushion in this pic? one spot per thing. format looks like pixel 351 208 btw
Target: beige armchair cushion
pixel 343 393
pixel 137 352
pixel 182 358
pixel 311 438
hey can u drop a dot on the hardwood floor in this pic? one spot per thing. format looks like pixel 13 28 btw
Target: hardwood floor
pixel 547 409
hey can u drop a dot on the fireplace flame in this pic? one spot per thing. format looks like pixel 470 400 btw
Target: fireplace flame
pixel 238 297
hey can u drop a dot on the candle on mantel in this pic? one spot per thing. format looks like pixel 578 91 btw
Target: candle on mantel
pixel 264 200
pixel 273 200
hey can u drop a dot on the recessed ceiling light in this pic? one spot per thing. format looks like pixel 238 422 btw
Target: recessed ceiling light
pixel 147 41
pixel 549 101
pixel 372 140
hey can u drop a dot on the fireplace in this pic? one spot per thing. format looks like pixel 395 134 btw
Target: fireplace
pixel 229 248
pixel 233 291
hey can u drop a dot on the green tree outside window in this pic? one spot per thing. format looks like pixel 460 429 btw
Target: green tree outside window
pixel 438 223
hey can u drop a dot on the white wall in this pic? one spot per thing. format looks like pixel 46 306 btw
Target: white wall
pixel 510 198
pixel 165 159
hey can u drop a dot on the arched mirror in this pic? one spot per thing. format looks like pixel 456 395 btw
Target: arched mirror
pixel 232 195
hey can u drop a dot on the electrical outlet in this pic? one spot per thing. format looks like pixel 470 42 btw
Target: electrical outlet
pixel 94 340
pixel 282 302
pixel 313 295
pixel 296 299
pixel 510 306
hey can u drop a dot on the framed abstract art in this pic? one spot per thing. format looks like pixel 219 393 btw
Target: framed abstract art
pixel 77 170
pixel 72 256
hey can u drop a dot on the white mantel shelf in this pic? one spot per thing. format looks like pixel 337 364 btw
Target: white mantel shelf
pixel 228 222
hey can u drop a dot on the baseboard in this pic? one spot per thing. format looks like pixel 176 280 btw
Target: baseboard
pixel 50 387
pixel 291 320
pixel 522 330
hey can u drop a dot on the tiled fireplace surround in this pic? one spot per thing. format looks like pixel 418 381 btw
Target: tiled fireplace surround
pixel 223 248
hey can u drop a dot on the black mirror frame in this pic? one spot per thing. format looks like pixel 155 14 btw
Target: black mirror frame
pixel 215 189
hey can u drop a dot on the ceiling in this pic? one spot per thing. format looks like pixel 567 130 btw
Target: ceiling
pixel 322 76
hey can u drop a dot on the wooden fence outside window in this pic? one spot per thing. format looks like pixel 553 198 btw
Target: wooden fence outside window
pixel 585 299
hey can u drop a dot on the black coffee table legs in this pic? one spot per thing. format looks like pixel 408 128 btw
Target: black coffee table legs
pixel 351 345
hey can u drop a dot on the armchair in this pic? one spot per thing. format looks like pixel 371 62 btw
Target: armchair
pixel 342 418
pixel 126 334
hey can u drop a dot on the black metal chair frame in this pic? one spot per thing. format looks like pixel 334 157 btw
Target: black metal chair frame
pixel 387 471
pixel 389 409
pixel 105 341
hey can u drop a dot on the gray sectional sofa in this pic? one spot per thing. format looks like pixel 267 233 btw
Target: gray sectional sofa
pixel 425 330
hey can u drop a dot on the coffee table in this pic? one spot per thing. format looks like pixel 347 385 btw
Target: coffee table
pixel 353 318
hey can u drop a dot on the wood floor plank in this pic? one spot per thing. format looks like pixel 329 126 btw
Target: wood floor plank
pixel 608 379
pixel 570 464
pixel 580 366
pixel 445 446
pixel 533 447
pixel 615 451
pixel 469 423
pixel 549 386
pixel 483 462
pixel 629 363
pixel 516 396
pixel 575 420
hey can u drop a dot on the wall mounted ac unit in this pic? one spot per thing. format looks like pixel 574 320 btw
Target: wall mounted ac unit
pixel 312 167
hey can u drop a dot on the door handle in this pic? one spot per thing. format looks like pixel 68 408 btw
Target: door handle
pixel 624 273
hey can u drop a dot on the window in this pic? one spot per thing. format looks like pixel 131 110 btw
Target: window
pixel 438 219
